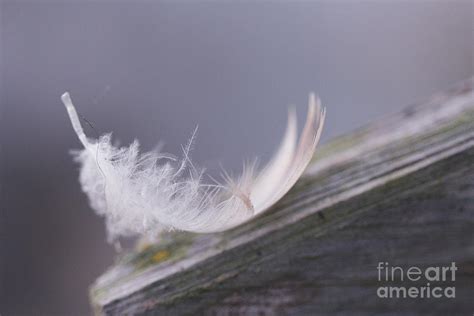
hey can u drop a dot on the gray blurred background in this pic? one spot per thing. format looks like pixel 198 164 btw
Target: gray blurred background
pixel 154 70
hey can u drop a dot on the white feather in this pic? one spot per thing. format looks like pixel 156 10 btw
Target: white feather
pixel 140 194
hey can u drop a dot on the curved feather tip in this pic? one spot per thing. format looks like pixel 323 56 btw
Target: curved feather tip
pixel 140 194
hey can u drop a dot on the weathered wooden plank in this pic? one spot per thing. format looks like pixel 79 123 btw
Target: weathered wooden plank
pixel 400 190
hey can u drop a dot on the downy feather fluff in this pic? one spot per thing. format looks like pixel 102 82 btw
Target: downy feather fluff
pixel 142 193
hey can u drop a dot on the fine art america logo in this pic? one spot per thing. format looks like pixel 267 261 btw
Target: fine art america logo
pixel 422 282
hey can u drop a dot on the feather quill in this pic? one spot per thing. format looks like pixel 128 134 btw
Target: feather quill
pixel 143 193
